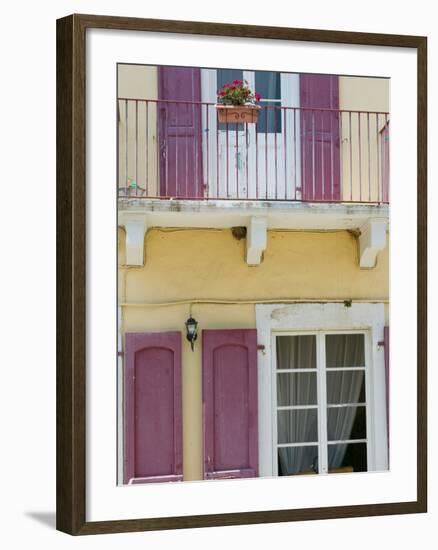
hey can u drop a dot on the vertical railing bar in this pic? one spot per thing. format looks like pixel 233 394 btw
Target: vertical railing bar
pixel 303 148
pixel 146 176
pixel 332 177
pixel 369 158
pixel 386 149
pixel 207 186
pixel 274 113
pixel 322 157
pixel 176 151
pixel 227 139
pixel 247 178
pixel 136 147
pixel 217 155
pixel 378 159
pixel 341 157
pixel 237 161
pixel 158 175
pixel 126 146
pixel 257 160
pixel 360 157
pixel 266 151
pixel 186 159
pixel 195 144
pixel 285 152
pixel 351 157
pixel 295 153
pixel 313 154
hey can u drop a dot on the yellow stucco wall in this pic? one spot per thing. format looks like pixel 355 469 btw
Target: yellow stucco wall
pixel 361 144
pixel 138 82
pixel 210 264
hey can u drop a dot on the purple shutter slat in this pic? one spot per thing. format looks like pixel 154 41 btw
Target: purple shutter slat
pixel 320 143
pixel 153 414
pixel 229 363
pixel 180 132
pixel 386 344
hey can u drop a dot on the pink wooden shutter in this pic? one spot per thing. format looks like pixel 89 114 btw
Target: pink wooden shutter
pixel 180 132
pixel 229 362
pixel 386 344
pixel 153 427
pixel 320 152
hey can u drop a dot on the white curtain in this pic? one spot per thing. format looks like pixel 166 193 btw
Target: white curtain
pixel 343 350
pixel 299 352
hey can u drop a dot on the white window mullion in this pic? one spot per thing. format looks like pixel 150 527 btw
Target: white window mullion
pixel 322 404
pixel 370 418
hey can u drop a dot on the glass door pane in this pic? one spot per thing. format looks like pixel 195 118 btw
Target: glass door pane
pixel 297 405
pixel 346 402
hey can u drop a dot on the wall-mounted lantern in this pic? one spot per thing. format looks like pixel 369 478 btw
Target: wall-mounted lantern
pixel 192 331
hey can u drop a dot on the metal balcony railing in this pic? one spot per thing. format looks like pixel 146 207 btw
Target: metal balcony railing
pixel 180 150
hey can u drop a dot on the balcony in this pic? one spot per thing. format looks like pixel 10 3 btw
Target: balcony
pixel 295 169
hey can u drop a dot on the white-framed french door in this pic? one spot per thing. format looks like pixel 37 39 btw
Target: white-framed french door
pixel 253 161
pixel 322 414
pixel 323 321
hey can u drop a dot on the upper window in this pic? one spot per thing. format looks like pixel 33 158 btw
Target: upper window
pixel 268 85
pixel 321 404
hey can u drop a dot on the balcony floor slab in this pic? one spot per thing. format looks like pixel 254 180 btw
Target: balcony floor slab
pixel 231 213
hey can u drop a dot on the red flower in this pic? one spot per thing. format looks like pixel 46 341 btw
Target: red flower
pixel 222 93
pixel 232 87
pixel 238 82
pixel 257 96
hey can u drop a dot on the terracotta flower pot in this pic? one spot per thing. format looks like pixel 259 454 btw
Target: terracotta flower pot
pixel 238 113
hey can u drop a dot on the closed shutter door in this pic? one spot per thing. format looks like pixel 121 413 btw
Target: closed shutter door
pixel 229 363
pixel 320 149
pixel 180 133
pixel 153 427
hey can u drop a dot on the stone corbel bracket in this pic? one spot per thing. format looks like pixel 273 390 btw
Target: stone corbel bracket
pixel 256 240
pixel 135 228
pixel 372 240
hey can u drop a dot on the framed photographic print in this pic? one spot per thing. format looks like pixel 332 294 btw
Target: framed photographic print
pixel 241 284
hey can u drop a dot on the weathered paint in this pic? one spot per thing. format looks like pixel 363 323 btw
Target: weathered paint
pixel 153 424
pixel 230 427
pixel 210 264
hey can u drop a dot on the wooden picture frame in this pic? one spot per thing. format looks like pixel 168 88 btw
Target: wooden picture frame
pixel 71 273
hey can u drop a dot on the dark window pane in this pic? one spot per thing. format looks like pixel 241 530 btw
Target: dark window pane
pixel 351 457
pixel 296 352
pixel 270 118
pixel 297 426
pixel 224 76
pixel 296 388
pixel 268 84
pixel 345 350
pixel 298 460
pixel 345 386
pixel 346 423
